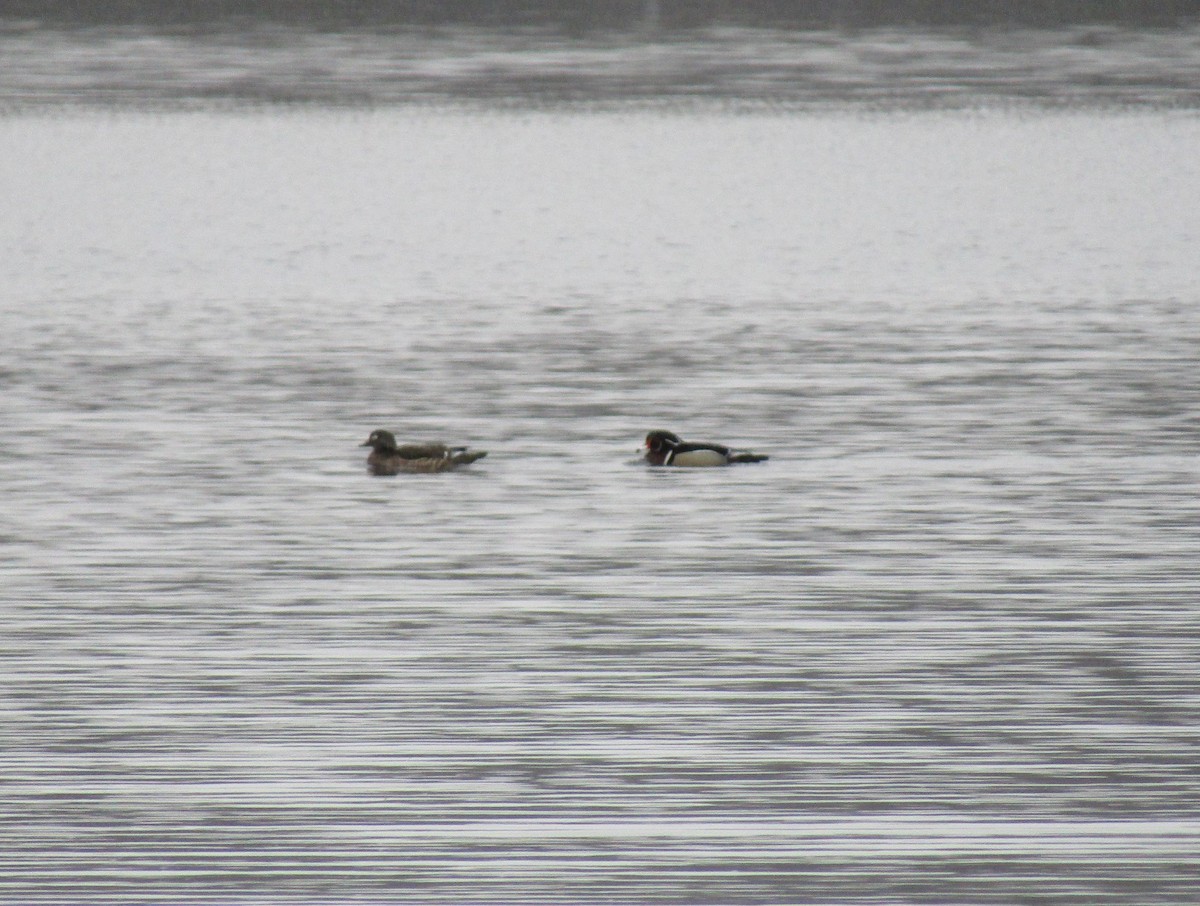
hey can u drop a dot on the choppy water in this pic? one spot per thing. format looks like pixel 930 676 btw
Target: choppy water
pixel 941 648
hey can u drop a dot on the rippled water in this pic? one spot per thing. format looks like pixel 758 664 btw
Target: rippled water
pixel 256 62
pixel 941 648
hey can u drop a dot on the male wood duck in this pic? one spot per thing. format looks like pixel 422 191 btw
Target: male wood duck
pixel 386 458
pixel 666 449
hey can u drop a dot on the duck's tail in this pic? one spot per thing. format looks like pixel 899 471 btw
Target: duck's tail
pixel 466 457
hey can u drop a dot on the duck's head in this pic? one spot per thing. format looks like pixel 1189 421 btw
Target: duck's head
pixel 662 441
pixel 380 440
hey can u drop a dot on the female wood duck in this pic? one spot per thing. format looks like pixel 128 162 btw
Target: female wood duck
pixel 386 458
pixel 666 449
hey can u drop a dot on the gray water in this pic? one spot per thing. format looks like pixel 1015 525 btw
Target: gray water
pixel 252 60
pixel 941 648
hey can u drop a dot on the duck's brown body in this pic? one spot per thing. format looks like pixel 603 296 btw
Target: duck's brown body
pixel 389 458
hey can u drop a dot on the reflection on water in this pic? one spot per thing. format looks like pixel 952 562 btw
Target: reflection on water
pixel 265 63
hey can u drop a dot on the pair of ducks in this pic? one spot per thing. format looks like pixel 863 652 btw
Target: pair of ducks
pixel 662 449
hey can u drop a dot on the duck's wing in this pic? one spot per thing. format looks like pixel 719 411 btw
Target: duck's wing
pixel 703 454
pixel 746 456
pixel 439 463
pixel 688 447
pixel 425 451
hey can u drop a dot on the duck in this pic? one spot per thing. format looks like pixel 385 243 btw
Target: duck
pixel 664 448
pixel 387 458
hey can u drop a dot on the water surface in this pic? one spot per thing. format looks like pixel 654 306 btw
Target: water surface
pixel 940 648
